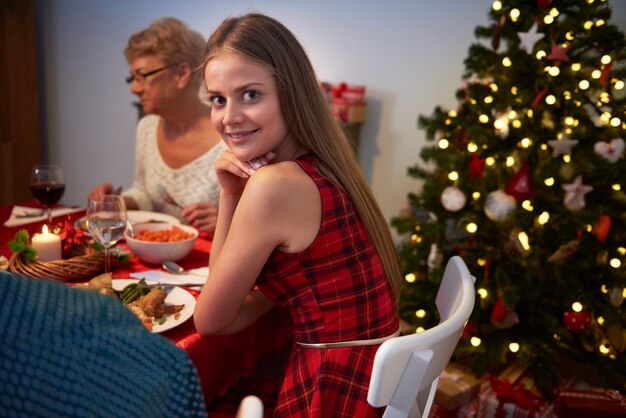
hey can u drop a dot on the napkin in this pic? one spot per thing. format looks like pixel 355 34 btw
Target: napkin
pixel 194 276
pixel 16 220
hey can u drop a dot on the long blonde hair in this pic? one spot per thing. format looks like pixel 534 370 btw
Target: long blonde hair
pixel 269 43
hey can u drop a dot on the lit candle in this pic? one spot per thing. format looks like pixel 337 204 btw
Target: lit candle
pixel 48 245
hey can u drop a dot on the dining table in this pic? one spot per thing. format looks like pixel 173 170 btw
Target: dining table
pixel 230 367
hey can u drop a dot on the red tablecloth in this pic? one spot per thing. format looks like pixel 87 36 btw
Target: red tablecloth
pixel 231 366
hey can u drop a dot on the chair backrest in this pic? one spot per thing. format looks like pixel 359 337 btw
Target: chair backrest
pixel 407 368
pixel 250 407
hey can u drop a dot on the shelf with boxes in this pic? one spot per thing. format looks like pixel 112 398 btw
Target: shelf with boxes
pixel 348 105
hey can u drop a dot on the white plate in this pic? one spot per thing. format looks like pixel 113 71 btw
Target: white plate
pixel 135 217
pixel 175 296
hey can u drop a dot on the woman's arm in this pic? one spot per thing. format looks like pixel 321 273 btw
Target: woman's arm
pixel 228 204
pixel 279 209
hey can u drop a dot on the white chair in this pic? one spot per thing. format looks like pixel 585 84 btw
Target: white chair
pixel 406 368
pixel 250 407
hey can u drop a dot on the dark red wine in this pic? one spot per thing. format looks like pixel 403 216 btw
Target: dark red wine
pixel 47 193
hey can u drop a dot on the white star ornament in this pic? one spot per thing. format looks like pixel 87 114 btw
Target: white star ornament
pixel 575 194
pixel 562 146
pixel 530 38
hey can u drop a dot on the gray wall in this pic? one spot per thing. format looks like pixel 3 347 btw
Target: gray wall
pixel 409 54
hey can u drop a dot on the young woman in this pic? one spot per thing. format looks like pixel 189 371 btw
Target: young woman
pixel 176 142
pixel 298 225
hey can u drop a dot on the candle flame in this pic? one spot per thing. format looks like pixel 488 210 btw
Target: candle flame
pixel 44 230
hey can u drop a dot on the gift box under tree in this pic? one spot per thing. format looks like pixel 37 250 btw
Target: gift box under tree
pixel 457 387
pixel 512 394
pixel 592 403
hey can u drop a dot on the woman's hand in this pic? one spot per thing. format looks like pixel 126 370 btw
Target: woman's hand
pixel 100 190
pixel 202 216
pixel 233 174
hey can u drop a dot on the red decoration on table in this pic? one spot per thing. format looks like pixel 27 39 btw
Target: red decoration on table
pixel 476 166
pixel 71 237
pixel 601 230
pixel 521 185
pixel 577 321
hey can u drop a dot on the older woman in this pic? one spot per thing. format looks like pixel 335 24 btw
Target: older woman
pixel 176 143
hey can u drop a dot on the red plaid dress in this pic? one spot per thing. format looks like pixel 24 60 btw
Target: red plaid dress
pixel 336 290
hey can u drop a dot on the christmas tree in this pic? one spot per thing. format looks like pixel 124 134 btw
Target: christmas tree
pixel 526 181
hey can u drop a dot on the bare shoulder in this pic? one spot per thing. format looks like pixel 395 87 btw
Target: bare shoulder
pixel 281 179
pixel 286 204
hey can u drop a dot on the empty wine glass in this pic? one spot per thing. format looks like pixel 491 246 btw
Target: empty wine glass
pixel 47 184
pixel 106 221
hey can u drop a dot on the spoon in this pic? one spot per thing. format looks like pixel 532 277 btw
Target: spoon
pixel 175 268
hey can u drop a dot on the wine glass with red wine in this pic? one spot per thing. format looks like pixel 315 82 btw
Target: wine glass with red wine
pixel 47 185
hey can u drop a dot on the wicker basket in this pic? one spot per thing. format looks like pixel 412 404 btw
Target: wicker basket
pixel 75 268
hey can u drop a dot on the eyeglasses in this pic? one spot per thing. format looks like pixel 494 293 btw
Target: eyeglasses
pixel 141 77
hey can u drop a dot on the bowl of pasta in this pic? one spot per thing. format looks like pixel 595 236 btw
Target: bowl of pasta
pixel 156 242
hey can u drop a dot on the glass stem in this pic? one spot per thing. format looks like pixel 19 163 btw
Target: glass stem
pixel 49 213
pixel 107 260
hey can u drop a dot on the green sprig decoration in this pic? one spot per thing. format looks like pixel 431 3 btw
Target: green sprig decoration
pixel 19 245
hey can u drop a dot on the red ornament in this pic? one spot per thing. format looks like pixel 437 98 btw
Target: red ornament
pixel 486 272
pixel 542 4
pixel 601 230
pixel 476 166
pixel 470 329
pixel 463 137
pixel 577 321
pixel 521 185
pixel 540 95
pixel 499 311
pixel 605 74
pixel 495 41
pixel 558 53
